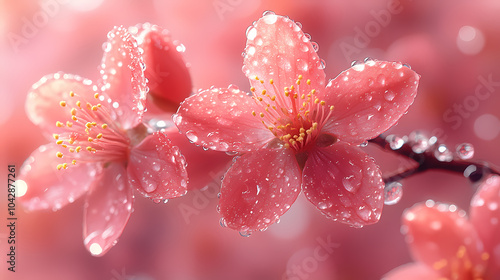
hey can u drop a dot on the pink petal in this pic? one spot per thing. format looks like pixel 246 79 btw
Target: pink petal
pixel 259 188
pixel 485 216
pixel 205 167
pixel 107 210
pixel 157 169
pixel 369 98
pixel 43 102
pixel 412 271
pixel 123 77
pixel 49 188
pixel 442 237
pixel 344 183
pixel 222 120
pixel 168 76
pixel 278 49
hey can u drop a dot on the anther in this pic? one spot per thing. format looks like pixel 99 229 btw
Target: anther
pixel 104 126
pixel 88 125
pixel 78 149
pixel 90 139
pixel 252 89
pixel 308 82
pixel 78 103
pixel 331 108
pixel 59 124
pixel 56 136
pixel 73 161
pixel 69 124
pixel 264 92
pixel 62 103
pixel 72 94
pixel 99 136
pixel 322 103
pixel 73 118
pixel 71 150
pixel 73 111
pixel 59 166
pixel 271 81
pixel 59 142
pixel 89 149
pixel 59 154
pixel 96 95
pixel 316 101
pixel 253 113
pixel 261 115
pixel 94 108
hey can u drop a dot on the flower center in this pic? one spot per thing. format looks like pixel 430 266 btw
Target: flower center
pixel 463 262
pixel 295 115
pixel 91 135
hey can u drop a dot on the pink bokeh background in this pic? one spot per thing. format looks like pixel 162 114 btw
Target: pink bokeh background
pixel 453 45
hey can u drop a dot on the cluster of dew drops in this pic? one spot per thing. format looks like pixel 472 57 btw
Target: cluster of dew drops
pixel 419 144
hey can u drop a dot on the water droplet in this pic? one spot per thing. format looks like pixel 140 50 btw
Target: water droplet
pixel 355 62
pixel 270 18
pixel 419 142
pixel 246 233
pixel 180 48
pixel 268 13
pixel 315 46
pixel 364 213
pixel 251 33
pixel 364 144
pixel 191 136
pixel 222 222
pixel 465 151
pixel 324 205
pixel 156 200
pixel 393 193
pixel 349 184
pixel 394 141
pixel 442 153
pixel 322 64
pixel 407 65
pixel 381 79
pixel 106 47
pixel 389 95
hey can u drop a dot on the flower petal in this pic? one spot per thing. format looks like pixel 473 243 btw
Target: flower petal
pixel 157 169
pixel 107 210
pixel 43 103
pixel 344 183
pixel 440 236
pixel 485 216
pixel 123 80
pixel 278 49
pixel 222 120
pixel 259 188
pixel 168 76
pixel 369 98
pixel 206 167
pixel 412 271
pixel 49 188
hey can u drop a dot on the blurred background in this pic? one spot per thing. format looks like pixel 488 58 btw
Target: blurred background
pixel 453 44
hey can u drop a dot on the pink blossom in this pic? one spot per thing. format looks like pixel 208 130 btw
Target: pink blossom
pixel 296 131
pixel 99 145
pixel 446 244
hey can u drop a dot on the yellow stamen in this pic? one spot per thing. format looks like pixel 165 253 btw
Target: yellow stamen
pixel 78 103
pixel 73 162
pixel 308 82
pixel 69 124
pixel 59 142
pixel 99 136
pixel 73 111
pixel 78 149
pixel 59 166
pixel 96 95
pixel 89 149
pixel 72 94
pixel 59 124
pixel 56 136
pixel 90 139
pixel 271 81
pixel 73 118
pixel 62 103
pixel 253 113
pixel 261 115
pixel 71 150
pixel 104 126
pixel 323 103
pixel 59 154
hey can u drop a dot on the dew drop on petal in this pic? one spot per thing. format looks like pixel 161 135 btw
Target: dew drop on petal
pixel 393 193
pixel 106 47
pixel 95 249
pixel 465 151
pixel 251 33
pixel 389 95
pixel 364 144
pixel 246 233
pixel 222 222
pixel 442 153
